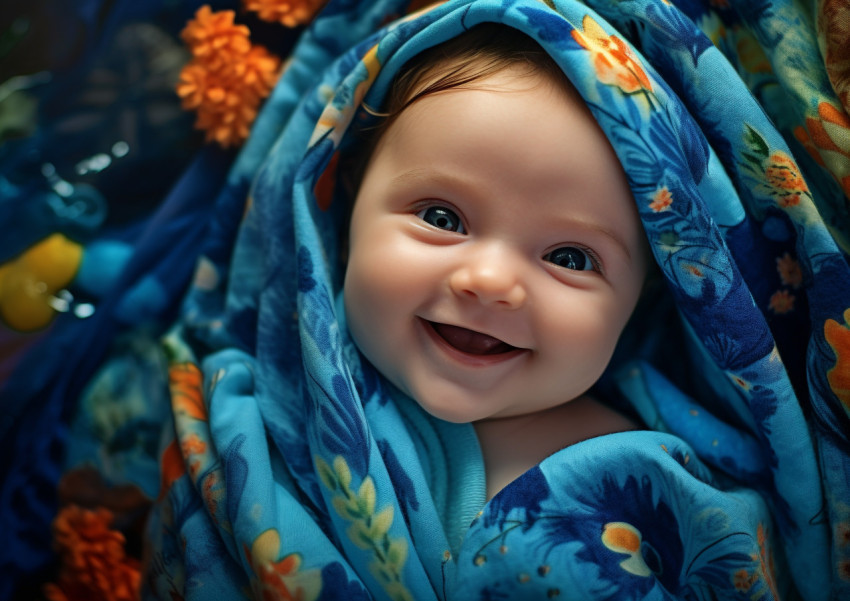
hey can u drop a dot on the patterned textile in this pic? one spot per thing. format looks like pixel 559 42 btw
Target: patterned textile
pixel 290 470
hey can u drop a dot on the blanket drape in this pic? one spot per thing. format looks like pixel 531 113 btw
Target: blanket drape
pixel 289 469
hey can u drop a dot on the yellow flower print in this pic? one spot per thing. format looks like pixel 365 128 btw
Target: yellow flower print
pixel 336 119
pixel 369 527
pixel 781 302
pixel 789 271
pixel 614 61
pixel 280 578
pixel 28 283
pixel 838 337
pixel 661 200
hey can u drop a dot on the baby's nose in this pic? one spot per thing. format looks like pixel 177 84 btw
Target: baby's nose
pixel 492 278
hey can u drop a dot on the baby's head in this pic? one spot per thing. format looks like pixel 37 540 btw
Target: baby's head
pixel 496 253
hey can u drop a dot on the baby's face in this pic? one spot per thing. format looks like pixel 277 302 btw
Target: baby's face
pixel 496 252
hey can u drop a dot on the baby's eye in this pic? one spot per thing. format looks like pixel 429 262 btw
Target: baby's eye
pixel 442 218
pixel 571 257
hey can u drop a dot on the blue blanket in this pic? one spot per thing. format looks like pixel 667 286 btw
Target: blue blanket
pixel 290 469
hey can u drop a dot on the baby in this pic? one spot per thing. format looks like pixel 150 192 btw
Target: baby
pixel 496 253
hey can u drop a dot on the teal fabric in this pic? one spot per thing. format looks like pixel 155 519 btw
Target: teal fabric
pixel 291 471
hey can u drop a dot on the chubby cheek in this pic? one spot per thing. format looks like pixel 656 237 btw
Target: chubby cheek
pixel 378 293
pixel 584 333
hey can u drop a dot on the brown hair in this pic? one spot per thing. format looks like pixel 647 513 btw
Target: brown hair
pixel 461 62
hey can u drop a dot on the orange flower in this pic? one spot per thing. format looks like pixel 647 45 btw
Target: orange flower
pixel 215 38
pixel 227 78
pixel 781 302
pixel 789 271
pixel 838 337
pixel 613 60
pixel 184 382
pixel 290 13
pixel 94 564
pixel 784 180
pixel 661 200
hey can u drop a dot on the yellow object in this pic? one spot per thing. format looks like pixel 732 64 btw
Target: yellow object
pixel 28 283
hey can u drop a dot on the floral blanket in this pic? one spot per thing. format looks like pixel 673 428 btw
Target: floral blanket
pixel 228 441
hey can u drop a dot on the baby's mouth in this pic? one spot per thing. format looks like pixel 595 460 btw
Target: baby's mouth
pixel 470 341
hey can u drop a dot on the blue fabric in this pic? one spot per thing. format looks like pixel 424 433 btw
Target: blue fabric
pixel 304 479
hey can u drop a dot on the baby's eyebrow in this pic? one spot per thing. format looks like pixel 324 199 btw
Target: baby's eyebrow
pixel 421 175
pixel 612 235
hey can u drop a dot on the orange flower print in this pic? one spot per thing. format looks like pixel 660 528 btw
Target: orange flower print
pixel 781 302
pixel 613 60
pixel 694 270
pixel 171 467
pixel 622 537
pixel 790 273
pixel 227 78
pixel 192 445
pixel 844 569
pixel 834 31
pixel 280 579
pixel 94 565
pixel 661 200
pixel 212 492
pixel 290 13
pixel 766 561
pixel 743 580
pixel 185 383
pixel 827 138
pixel 784 180
pixel 842 535
pixel 838 376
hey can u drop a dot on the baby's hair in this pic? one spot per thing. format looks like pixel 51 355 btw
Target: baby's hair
pixel 461 62
pixel 482 51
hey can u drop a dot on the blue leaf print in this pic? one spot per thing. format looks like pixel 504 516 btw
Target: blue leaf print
pixel 402 484
pixel 528 492
pixel 343 431
pixel 337 587
pixel 677 30
pixel 693 143
pixel 305 270
pixel 550 27
pixel 649 527
pixel 235 473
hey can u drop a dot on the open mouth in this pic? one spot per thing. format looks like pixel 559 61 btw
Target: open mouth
pixel 470 341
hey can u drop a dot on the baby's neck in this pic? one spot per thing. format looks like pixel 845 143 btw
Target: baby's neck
pixel 513 445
